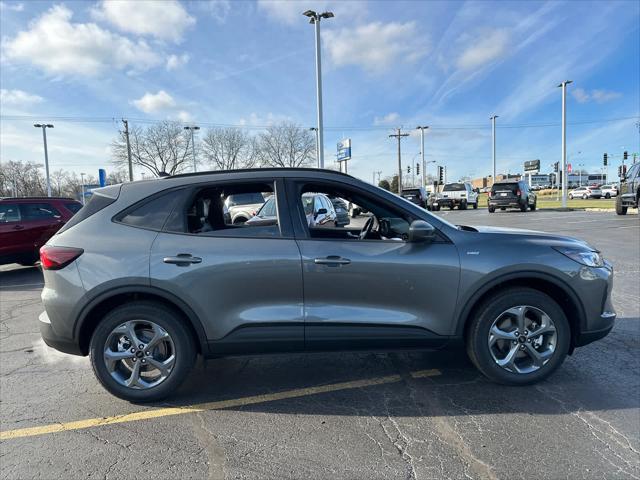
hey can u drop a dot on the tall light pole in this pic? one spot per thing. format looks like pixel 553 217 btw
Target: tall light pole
pixel 315 130
pixel 424 165
pixel 493 137
pixel 82 186
pixel 192 128
pixel 564 141
pixel 44 127
pixel 315 18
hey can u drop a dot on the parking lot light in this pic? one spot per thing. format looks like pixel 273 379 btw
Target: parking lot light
pixel 44 127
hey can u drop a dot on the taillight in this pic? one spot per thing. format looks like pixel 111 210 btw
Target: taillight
pixel 55 258
pixel 518 193
pixel 490 193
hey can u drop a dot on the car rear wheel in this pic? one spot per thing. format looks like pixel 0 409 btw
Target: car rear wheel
pixel 620 210
pixel 141 352
pixel 492 209
pixel 463 205
pixel 607 195
pixel 523 207
pixel 585 196
pixel 534 206
pixel 518 337
pixel 475 206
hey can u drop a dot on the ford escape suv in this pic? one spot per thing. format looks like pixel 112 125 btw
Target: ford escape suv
pixel 150 274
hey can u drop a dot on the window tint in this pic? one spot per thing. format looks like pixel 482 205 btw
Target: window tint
pixel 153 213
pixel 73 207
pixel 221 211
pixel 454 187
pixel 38 211
pixel 505 187
pixel 9 213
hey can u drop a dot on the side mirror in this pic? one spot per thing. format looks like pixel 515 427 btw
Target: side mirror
pixel 421 231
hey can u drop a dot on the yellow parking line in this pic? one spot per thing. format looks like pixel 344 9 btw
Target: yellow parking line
pixel 201 407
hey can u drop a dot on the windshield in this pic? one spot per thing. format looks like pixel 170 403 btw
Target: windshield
pixel 454 187
pixel 245 198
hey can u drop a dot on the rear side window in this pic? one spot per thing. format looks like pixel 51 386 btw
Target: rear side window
pixel 153 212
pixel 100 199
pixel 73 207
pixel 454 187
pixel 505 187
pixel 9 212
pixel 38 211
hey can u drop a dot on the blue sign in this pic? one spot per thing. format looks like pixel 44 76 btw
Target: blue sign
pixel 102 177
pixel 344 150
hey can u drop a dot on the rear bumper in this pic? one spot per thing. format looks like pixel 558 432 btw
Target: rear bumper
pixel 65 345
pixel 510 202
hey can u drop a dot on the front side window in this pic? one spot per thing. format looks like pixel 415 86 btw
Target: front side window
pixel 228 210
pixel 9 212
pixel 38 211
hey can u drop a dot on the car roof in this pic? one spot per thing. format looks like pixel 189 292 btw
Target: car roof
pixel 36 199
pixel 280 170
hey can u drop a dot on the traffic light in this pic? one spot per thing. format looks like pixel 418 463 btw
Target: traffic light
pixel 625 155
pixel 622 170
pixel 417 169
pixel 605 160
pixel 408 168
pixel 441 175
pixel 556 166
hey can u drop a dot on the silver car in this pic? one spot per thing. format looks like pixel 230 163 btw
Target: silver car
pixel 149 274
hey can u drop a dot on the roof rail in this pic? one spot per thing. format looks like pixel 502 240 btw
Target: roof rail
pixel 38 198
pixel 243 170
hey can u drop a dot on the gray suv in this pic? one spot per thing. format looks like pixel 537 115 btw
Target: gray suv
pixel 150 274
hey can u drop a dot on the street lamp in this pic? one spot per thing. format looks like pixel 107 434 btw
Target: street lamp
pixel 82 187
pixel 563 85
pixel 424 165
pixel 315 129
pixel 193 145
pixel 44 127
pixel 315 18
pixel 493 136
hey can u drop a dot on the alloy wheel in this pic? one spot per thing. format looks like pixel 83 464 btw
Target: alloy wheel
pixel 522 339
pixel 139 354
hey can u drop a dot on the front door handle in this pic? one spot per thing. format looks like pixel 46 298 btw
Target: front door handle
pixel 182 260
pixel 332 261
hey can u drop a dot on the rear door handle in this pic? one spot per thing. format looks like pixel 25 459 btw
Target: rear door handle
pixel 18 227
pixel 332 261
pixel 182 260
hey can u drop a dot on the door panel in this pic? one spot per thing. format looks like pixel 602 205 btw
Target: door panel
pixel 11 230
pixel 238 283
pixel 409 290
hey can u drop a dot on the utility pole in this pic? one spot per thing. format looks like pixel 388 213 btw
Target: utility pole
pixel 316 131
pixel 314 18
pixel 379 172
pixel 399 136
pixel 192 128
pixel 126 135
pixel 563 85
pixel 44 127
pixel 82 187
pixel 424 165
pixel 493 136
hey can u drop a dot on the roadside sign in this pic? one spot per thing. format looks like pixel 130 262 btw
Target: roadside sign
pixel 344 150
pixel 532 166
pixel 102 177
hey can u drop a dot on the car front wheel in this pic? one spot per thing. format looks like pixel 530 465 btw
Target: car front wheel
pixel 518 337
pixel 141 352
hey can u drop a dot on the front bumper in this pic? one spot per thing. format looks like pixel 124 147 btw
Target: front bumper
pixel 601 315
pixel 52 339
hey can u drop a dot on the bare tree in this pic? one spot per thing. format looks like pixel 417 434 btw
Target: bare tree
pixel 161 148
pixel 21 179
pixel 58 179
pixel 118 176
pixel 229 149
pixel 286 145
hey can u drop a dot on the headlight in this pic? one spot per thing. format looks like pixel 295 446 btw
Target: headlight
pixel 589 258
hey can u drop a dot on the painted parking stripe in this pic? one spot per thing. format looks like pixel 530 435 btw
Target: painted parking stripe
pixel 202 407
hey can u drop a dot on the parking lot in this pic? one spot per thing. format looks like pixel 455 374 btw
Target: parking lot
pixel 350 415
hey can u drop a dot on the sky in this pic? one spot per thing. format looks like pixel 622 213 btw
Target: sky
pixel 450 65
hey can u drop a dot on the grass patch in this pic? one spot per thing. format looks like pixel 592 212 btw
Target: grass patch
pixel 549 201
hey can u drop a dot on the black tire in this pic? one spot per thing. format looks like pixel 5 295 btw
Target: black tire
pixel 585 197
pixel 492 209
pixel 620 210
pixel 607 195
pixel 451 206
pixel 463 205
pixel 239 220
pixel 523 207
pixel 478 333
pixel 534 206
pixel 437 209
pixel 475 205
pixel 503 208
pixel 185 350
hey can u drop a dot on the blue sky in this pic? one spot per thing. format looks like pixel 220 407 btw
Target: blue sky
pixel 450 65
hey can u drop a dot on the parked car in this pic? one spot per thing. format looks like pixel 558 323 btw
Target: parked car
pixel 461 195
pixel 243 206
pixel 342 211
pixel 142 294
pixel 629 190
pixel 266 215
pixel 512 194
pixel 319 210
pixel 585 193
pixel 609 191
pixel 418 196
pixel 27 223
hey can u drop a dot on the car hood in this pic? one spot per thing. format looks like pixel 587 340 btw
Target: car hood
pixel 532 235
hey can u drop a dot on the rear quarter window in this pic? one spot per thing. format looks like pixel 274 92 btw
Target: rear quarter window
pixel 153 212
pixel 73 207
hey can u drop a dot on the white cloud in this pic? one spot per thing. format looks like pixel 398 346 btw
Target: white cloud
pixel 13 6
pixel 389 119
pixel 59 47
pixel 596 95
pixel 484 50
pixel 18 97
pixel 375 46
pixel 184 116
pixel 256 120
pixel 217 9
pixel 154 102
pixel 176 61
pixel 166 20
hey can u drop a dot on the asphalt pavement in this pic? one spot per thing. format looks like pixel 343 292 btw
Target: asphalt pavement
pixel 348 415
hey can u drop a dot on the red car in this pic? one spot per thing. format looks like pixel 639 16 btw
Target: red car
pixel 27 223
